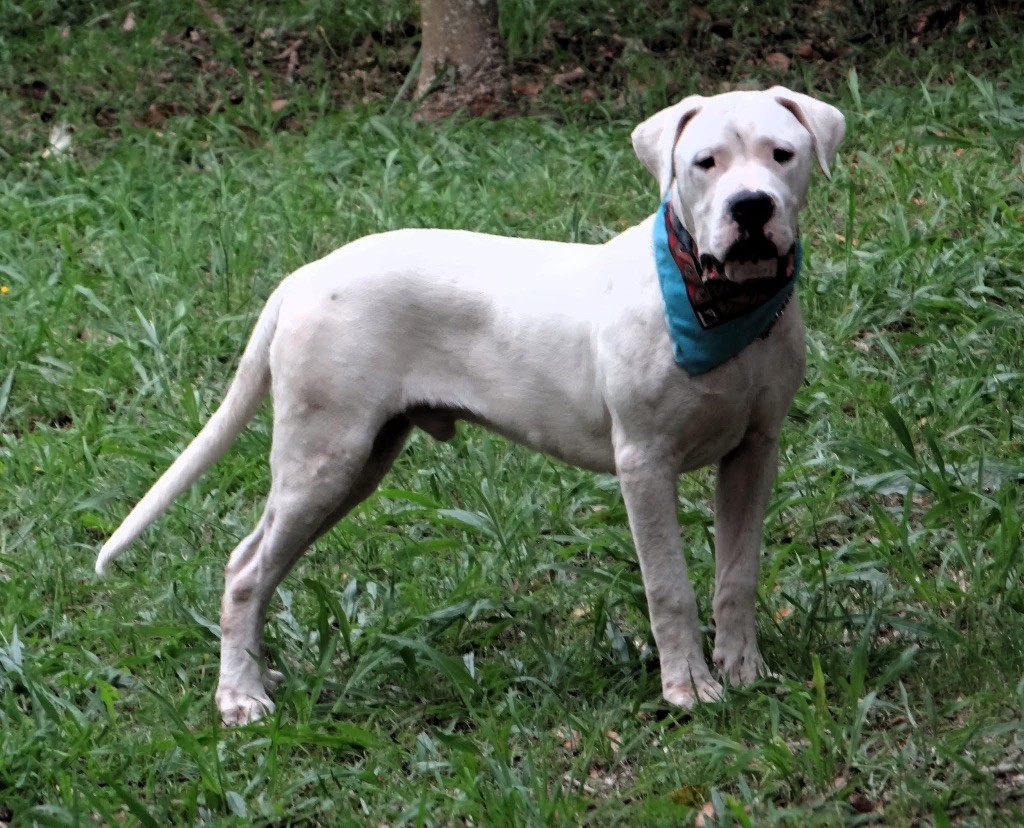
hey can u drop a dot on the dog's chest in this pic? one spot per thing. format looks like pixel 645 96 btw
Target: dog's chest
pixel 700 419
pixel 714 424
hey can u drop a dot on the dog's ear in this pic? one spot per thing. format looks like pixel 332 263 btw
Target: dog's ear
pixel 825 123
pixel 654 141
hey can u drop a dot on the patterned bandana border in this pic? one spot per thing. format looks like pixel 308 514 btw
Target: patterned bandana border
pixel 711 319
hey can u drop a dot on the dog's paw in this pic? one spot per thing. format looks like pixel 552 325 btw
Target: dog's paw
pixel 741 665
pixel 688 693
pixel 237 708
pixel 271 679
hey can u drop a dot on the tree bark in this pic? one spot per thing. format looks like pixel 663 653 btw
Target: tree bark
pixel 461 37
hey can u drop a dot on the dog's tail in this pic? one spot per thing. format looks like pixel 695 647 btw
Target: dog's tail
pixel 244 396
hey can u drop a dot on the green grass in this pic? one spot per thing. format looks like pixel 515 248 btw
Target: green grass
pixel 471 645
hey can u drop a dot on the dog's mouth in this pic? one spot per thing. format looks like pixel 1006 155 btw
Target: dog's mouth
pixel 750 258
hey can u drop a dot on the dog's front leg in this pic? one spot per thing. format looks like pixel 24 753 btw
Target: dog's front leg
pixel 745 478
pixel 648 484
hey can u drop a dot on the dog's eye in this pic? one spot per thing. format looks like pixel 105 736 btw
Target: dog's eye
pixel 706 163
pixel 782 156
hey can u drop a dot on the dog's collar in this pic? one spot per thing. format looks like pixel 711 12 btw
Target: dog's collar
pixel 711 319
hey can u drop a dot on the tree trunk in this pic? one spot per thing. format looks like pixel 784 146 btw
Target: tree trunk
pixel 461 37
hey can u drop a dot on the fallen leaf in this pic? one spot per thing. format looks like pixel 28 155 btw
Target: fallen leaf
pixel 530 88
pixel 289 50
pixel 215 16
pixel 570 736
pixel 157 115
pixel 572 76
pixel 777 61
pixel 783 612
pixel 129 23
pixel 615 740
pixel 59 145
pixel 37 90
pixel 278 104
pixel 689 796
pixel 105 117
pixel 707 811
pixel 483 105
pixel 861 804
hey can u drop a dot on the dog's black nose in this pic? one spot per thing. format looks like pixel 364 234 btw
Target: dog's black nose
pixel 751 209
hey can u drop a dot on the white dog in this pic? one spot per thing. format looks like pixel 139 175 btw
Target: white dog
pixel 668 348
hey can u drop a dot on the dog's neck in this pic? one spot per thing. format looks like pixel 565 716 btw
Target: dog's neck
pixel 712 319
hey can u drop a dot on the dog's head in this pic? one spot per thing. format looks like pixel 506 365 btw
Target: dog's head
pixel 737 166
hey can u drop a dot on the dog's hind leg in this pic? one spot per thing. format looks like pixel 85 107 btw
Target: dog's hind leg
pixel 313 487
pixel 387 445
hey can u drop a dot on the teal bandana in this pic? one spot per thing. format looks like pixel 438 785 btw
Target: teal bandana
pixel 711 319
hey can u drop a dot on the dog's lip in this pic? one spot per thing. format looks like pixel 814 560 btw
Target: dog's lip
pixel 756 249
pixel 729 259
pixel 714 267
